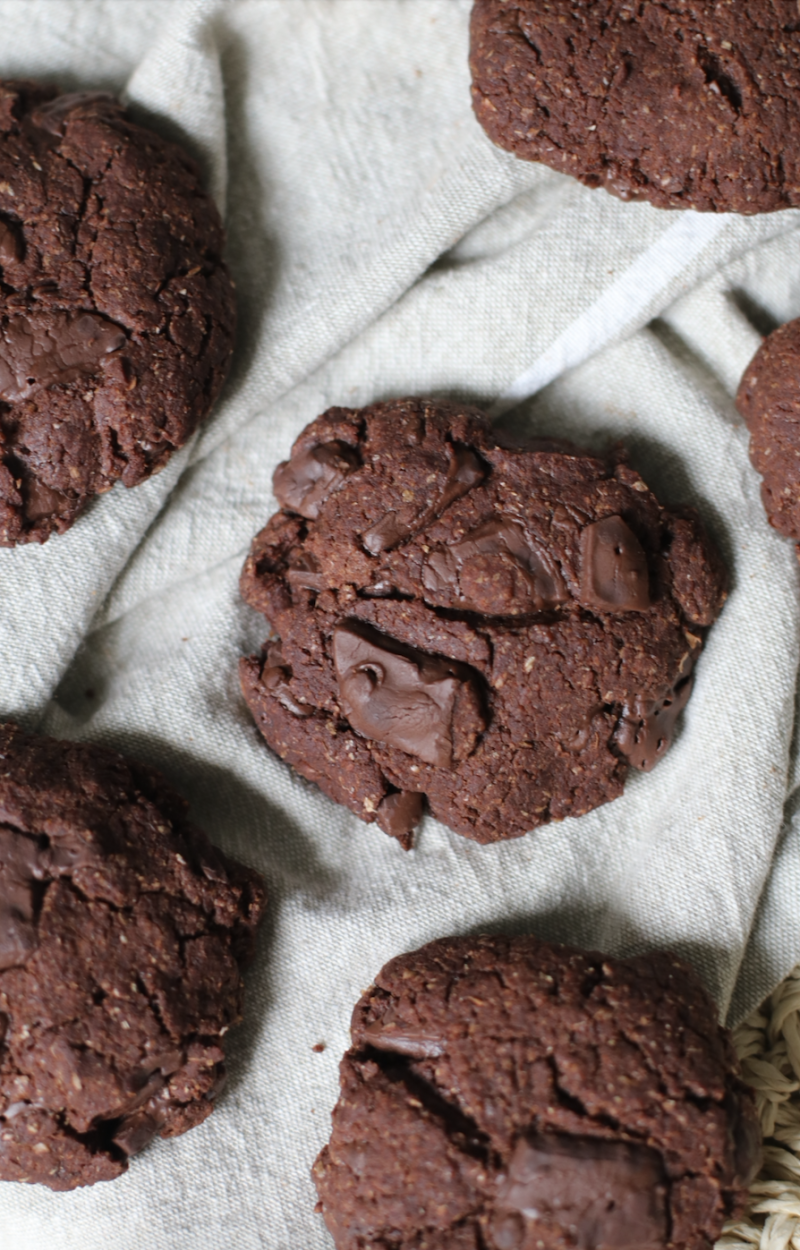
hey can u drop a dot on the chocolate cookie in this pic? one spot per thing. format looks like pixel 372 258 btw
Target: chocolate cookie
pixel 505 1094
pixel 116 309
pixel 769 400
pixel 691 104
pixel 121 934
pixel 503 630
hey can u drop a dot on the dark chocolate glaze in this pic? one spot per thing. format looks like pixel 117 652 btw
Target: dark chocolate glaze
pixel 614 574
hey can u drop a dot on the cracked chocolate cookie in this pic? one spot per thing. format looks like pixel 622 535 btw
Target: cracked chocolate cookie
pixel 501 630
pixel 122 930
pixel 505 1094
pixel 769 400
pixel 687 105
pixel 116 309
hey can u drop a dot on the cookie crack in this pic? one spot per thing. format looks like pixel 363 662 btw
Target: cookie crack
pixel 461 1129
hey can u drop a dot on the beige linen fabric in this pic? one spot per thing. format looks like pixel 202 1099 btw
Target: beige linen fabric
pixel 382 246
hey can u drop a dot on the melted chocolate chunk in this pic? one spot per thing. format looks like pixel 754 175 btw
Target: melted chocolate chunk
pixel 52 116
pixel 10 243
pixel 46 349
pixel 614 574
pixel 399 814
pixel 608 1195
pixel 137 1130
pixel 463 472
pixel 496 570
pixel 303 483
pixel 744 1137
pixel 646 726
pixel 276 676
pixel 397 695
pixel 42 500
pixel 305 579
pixel 393 1035
pixel 387 533
pixel 22 863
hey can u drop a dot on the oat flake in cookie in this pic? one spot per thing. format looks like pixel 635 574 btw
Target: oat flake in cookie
pixel 505 1094
pixel 122 930
pixel 116 310
pixel 690 104
pixel 500 630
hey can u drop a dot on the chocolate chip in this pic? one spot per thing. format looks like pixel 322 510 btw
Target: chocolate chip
pixel 136 1131
pixel 22 863
pixel 41 500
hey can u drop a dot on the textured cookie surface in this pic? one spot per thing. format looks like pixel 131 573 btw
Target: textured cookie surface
pixel 692 104
pixel 501 630
pixel 121 934
pixel 116 310
pixel 505 1094
pixel 769 400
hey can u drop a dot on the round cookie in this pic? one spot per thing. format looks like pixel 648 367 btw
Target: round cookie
pixel 501 629
pixel 505 1094
pixel 121 934
pixel 687 105
pixel 769 400
pixel 116 309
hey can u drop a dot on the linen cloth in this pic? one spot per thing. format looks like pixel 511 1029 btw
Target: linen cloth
pixel 382 246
